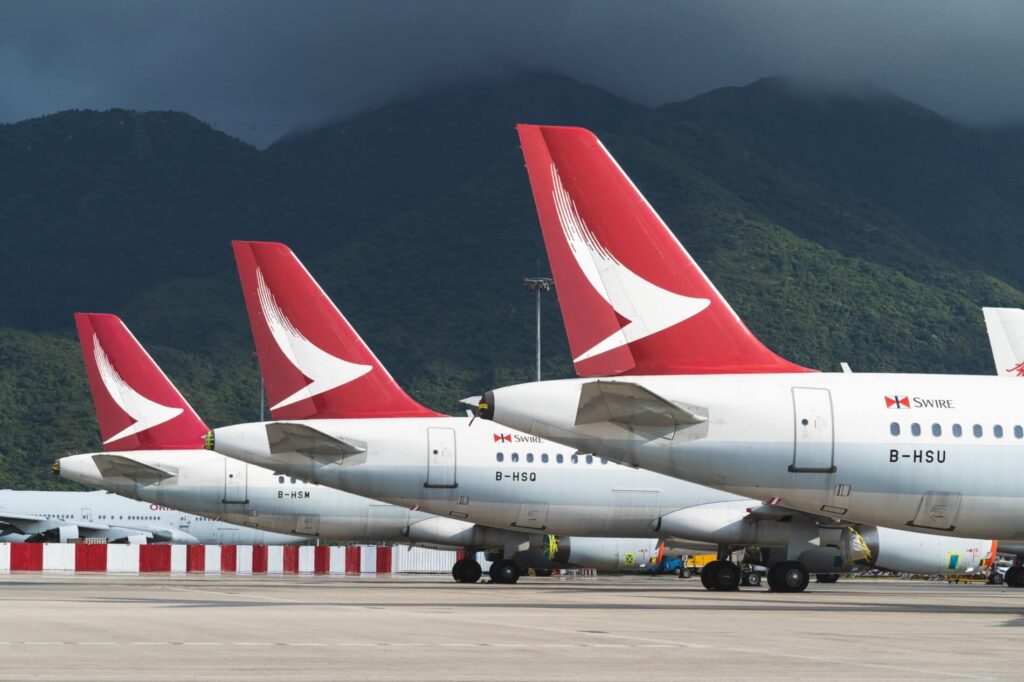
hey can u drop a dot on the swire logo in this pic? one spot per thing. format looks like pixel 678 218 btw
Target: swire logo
pixel 897 402
pixel 502 438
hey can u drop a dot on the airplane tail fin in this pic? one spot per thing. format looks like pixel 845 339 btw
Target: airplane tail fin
pixel 314 363
pixel 1006 336
pixel 137 406
pixel 633 300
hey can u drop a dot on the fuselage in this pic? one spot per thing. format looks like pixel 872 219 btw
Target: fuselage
pixel 220 487
pixel 931 453
pixel 100 514
pixel 464 469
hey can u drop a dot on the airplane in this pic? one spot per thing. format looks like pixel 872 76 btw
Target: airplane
pixel 1005 328
pixel 341 420
pixel 154 453
pixel 671 380
pixel 63 516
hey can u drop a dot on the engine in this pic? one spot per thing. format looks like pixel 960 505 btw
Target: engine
pixel 606 554
pixel 905 552
pixel 728 523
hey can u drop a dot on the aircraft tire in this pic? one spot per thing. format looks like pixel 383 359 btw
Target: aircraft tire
pixel 466 571
pixel 504 572
pixel 788 576
pixel 707 575
pixel 686 573
pixel 752 579
pixel 826 577
pixel 543 572
pixel 727 576
pixel 457 570
pixel 1014 576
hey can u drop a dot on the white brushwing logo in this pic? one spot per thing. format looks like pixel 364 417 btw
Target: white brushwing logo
pixel 324 371
pixel 649 308
pixel 144 411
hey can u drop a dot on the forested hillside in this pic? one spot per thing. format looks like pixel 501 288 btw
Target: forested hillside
pixel 842 226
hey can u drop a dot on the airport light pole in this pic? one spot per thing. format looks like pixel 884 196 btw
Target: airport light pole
pixel 539 285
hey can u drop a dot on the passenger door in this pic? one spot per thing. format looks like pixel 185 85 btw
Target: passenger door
pixel 441 458
pixel 236 489
pixel 814 439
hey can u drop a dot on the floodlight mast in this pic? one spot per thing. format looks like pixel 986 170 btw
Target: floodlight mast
pixel 539 285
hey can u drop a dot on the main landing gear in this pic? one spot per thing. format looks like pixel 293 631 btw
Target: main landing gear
pixel 505 572
pixel 720 575
pixel 788 576
pixel 466 571
pixel 1014 576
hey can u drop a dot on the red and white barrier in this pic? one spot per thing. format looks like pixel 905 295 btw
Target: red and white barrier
pixel 205 559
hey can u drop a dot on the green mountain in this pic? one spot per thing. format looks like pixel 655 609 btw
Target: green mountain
pixel 842 225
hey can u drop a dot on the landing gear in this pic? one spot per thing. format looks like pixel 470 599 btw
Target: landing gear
pixel 720 575
pixel 466 571
pixel 751 579
pixel 826 577
pixel 504 572
pixel 788 576
pixel 1014 576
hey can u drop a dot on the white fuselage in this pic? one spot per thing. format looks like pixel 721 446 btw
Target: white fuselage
pixel 944 454
pixel 481 474
pixel 224 488
pixel 102 515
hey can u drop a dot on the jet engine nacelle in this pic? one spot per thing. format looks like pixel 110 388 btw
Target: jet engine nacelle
pixel 906 552
pixel 67 533
pixel 605 554
pixel 726 523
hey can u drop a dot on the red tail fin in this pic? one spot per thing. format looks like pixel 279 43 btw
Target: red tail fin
pixel 633 300
pixel 314 364
pixel 137 406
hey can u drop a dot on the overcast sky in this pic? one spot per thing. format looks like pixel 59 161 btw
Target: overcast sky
pixel 259 69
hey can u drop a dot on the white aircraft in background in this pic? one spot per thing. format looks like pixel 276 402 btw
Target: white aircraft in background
pixel 162 462
pixel 343 421
pixel 60 516
pixel 1006 336
pixel 673 381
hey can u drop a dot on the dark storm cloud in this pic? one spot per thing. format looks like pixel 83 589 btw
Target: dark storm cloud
pixel 258 69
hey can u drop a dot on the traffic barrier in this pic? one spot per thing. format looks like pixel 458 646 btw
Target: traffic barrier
pixel 217 559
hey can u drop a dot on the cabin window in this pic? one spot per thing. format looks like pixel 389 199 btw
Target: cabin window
pixel 977 431
pixel 590 459
pixel 997 431
pixel 575 459
pixel 957 431
pixel 604 461
pixel 280 479
pixel 894 429
pixel 915 429
pixel 293 480
pixel 560 459
pixel 936 430
pixel 500 456
pixel 544 458
pixel 1018 431
pixel 515 456
pixel 529 457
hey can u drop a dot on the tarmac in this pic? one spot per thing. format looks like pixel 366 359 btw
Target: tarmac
pixel 428 628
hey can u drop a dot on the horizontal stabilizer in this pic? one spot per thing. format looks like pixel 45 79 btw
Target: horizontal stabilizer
pixel 291 437
pixel 636 408
pixel 119 466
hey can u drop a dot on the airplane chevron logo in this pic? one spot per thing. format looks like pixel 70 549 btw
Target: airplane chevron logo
pixel 649 308
pixel 144 411
pixel 324 370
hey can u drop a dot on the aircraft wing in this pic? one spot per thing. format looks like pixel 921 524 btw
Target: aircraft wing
pixel 26 524
pixel 1006 337
pixel 119 466
pixel 291 437
pixel 636 408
